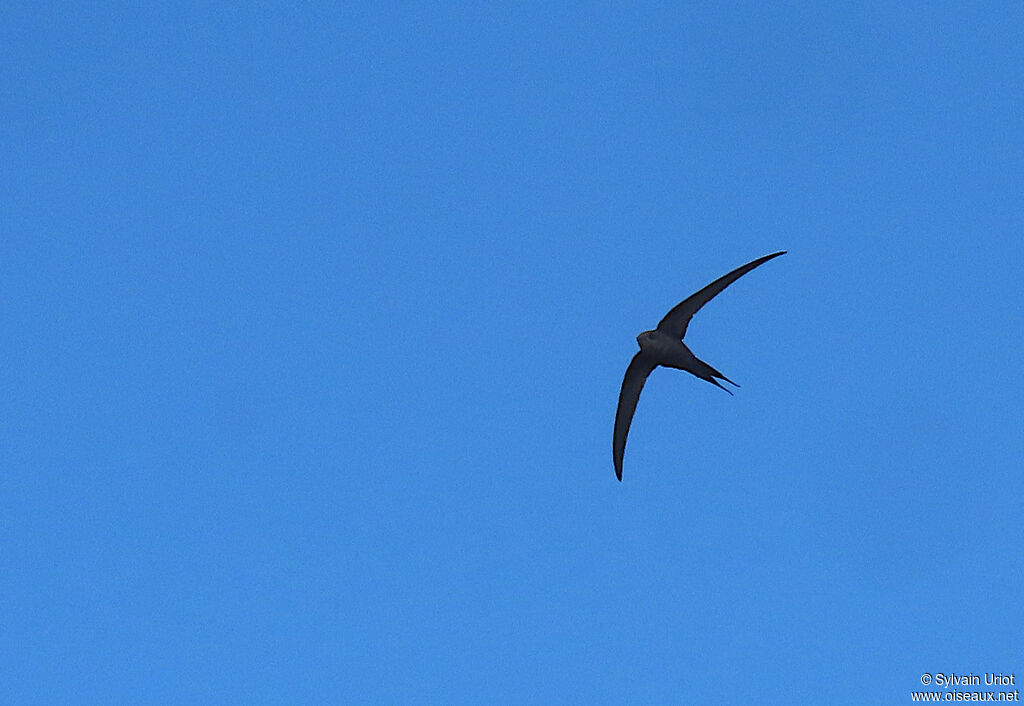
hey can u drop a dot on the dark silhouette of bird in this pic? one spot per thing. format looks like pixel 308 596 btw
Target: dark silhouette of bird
pixel 664 346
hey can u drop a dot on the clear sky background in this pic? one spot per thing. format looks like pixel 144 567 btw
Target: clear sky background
pixel 313 320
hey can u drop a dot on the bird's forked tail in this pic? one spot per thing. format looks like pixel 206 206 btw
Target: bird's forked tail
pixel 706 372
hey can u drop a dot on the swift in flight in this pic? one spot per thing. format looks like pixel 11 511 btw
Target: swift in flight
pixel 664 346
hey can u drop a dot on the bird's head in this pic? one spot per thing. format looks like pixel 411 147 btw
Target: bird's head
pixel 646 338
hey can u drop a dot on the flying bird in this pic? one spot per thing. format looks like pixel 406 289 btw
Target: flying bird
pixel 664 346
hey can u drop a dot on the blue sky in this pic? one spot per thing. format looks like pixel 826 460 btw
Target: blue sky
pixel 313 320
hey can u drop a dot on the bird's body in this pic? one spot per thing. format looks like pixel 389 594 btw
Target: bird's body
pixel 673 353
pixel 664 346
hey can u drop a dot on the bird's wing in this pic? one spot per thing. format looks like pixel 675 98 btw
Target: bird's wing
pixel 676 321
pixel 636 375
